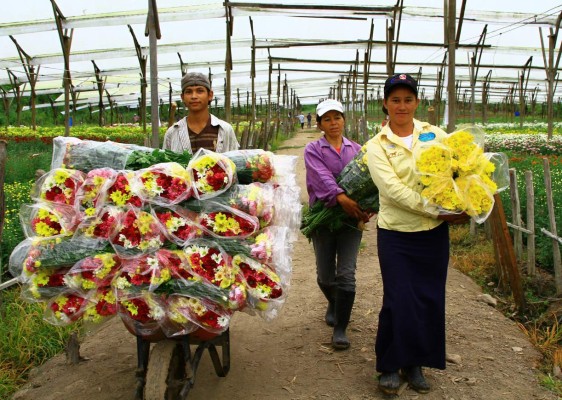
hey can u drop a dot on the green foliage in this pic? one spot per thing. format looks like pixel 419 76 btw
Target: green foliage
pixel 27 340
pixel 534 163
pixel 140 159
pixel 16 194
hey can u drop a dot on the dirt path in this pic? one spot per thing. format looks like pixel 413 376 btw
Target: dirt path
pixel 290 358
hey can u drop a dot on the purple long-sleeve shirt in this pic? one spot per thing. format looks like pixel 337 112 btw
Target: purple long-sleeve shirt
pixel 323 165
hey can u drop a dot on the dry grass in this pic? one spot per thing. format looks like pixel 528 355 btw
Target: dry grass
pixel 474 256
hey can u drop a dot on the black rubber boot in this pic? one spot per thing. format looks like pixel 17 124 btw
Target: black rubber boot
pixel 344 305
pixel 416 380
pixel 330 294
pixel 389 383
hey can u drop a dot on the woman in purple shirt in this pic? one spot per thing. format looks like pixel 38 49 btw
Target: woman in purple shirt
pixel 336 252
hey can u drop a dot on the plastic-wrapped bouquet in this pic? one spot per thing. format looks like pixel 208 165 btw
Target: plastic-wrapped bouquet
pixel 253 165
pixel 178 224
pixel 264 286
pixel 138 232
pixel 47 220
pixel 66 308
pixel 163 184
pixel 457 176
pixel 144 272
pixel 96 231
pixel 211 173
pixel 120 193
pixel 210 262
pixel 202 312
pixel 58 186
pixel 93 272
pixel 142 312
pixel 255 199
pixel 104 305
pixel 44 284
pixel 90 193
pixel 226 222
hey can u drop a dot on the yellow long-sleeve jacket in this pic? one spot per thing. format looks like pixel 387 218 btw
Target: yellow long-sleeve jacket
pixel 392 167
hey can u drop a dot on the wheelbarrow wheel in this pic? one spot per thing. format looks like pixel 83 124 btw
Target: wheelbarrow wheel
pixel 165 373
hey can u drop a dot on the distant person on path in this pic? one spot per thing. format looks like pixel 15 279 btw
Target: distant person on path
pixel 413 246
pixel 301 120
pixel 336 252
pixel 200 129
pixel 308 120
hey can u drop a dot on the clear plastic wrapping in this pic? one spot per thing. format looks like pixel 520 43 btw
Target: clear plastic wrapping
pixel 59 186
pixel 163 184
pixel 86 155
pixel 210 173
pixel 252 165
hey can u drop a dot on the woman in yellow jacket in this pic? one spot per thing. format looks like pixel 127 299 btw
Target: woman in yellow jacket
pixel 413 246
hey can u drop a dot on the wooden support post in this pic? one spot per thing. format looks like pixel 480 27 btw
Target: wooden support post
pixel 553 230
pixel 515 214
pixel 504 253
pixel 531 256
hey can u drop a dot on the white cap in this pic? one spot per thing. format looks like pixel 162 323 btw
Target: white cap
pixel 328 105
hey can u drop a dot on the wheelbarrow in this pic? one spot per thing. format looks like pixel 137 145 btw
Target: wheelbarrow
pixel 166 367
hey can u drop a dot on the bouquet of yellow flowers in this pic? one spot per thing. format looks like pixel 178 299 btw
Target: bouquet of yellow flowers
pixel 457 176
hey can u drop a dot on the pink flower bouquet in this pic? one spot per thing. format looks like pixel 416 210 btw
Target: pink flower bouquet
pixel 203 313
pixel 253 165
pixel 255 199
